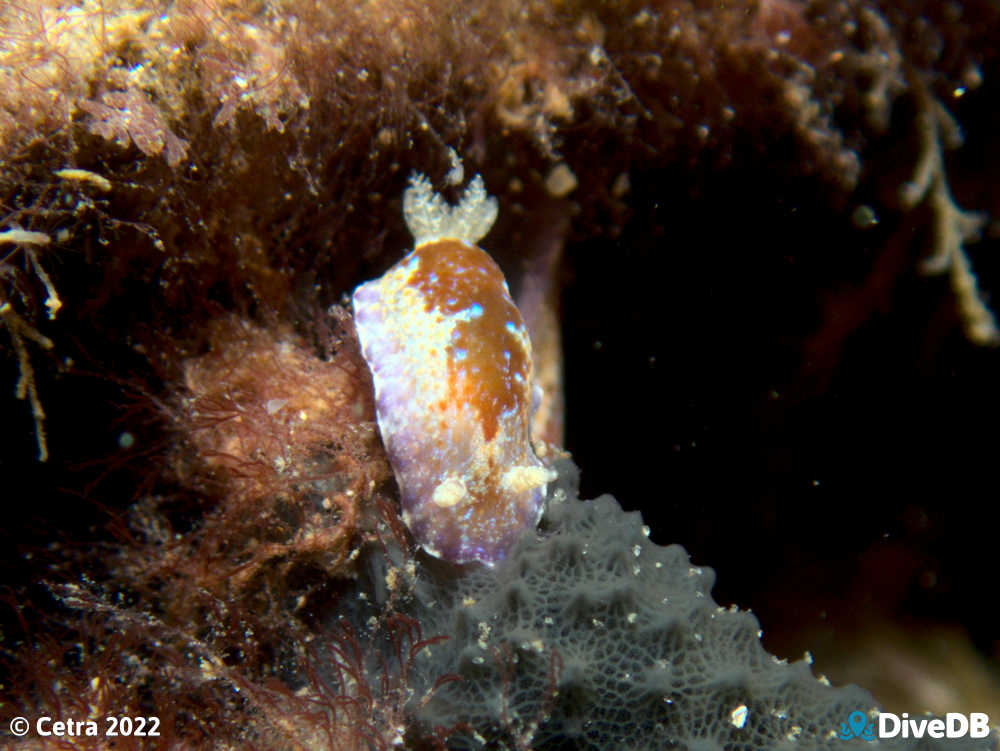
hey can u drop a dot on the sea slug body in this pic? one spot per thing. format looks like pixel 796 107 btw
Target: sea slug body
pixel 451 362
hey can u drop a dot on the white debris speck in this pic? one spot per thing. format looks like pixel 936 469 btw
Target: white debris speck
pixel 456 174
pixel 84 176
pixel 739 716
pixel 560 181
pixel 274 405
pixel 19 236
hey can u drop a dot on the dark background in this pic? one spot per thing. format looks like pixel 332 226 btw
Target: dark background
pixel 782 392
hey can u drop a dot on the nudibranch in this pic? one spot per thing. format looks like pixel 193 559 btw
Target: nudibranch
pixel 450 358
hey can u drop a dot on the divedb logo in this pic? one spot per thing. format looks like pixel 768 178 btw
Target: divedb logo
pixel 889 725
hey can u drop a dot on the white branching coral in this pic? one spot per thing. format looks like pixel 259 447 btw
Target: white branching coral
pixel 883 62
pixel 28 240
pixel 19 330
pixel 429 217
pixel 953 227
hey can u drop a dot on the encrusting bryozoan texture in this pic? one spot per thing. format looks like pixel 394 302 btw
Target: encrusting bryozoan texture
pixel 590 637
pixel 451 362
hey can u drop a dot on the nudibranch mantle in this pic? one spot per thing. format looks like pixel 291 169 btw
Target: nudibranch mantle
pixel 451 362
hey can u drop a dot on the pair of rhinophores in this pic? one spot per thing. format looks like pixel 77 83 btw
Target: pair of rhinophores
pixel 451 362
